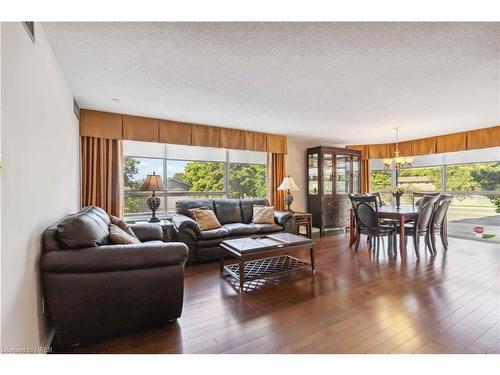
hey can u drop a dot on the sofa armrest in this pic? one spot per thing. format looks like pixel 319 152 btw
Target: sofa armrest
pixel 183 222
pixel 282 217
pixel 147 231
pixel 115 258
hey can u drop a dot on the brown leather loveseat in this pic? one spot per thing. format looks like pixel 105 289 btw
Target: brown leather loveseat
pixel 95 289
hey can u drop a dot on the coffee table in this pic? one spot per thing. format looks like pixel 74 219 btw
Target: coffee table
pixel 259 257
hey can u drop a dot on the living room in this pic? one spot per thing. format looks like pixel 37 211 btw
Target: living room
pixel 184 187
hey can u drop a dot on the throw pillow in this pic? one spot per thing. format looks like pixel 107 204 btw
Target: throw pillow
pixel 206 219
pixel 119 236
pixel 263 214
pixel 190 211
pixel 122 225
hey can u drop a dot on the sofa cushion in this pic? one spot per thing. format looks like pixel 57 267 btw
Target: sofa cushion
pixel 122 225
pixel 213 233
pixel 268 228
pixel 238 229
pixel 87 228
pixel 182 206
pixel 206 219
pixel 119 236
pixel 263 214
pixel 228 211
pixel 247 207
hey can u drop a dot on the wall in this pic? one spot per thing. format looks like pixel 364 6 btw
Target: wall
pixel 295 161
pixel 40 174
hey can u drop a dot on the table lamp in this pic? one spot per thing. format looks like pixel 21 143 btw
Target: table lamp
pixel 153 183
pixel 289 185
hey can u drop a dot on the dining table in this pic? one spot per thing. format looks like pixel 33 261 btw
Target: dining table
pixel 403 214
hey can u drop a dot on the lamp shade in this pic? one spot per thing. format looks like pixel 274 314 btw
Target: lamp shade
pixel 153 182
pixel 288 184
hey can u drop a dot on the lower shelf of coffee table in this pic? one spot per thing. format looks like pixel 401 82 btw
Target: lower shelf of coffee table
pixel 261 268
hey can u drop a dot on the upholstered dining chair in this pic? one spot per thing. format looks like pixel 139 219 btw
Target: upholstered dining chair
pixel 367 221
pixel 417 197
pixel 421 227
pixel 439 218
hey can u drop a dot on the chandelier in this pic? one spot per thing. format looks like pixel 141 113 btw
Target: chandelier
pixel 398 162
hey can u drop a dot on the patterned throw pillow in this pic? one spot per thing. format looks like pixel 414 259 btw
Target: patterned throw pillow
pixel 122 225
pixel 206 219
pixel 190 211
pixel 119 236
pixel 263 214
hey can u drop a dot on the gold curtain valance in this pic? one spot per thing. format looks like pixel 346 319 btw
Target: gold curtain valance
pixel 468 140
pixel 116 126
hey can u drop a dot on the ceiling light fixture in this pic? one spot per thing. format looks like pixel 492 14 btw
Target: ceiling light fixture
pixel 398 162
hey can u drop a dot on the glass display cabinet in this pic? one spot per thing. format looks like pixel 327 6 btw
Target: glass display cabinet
pixel 332 173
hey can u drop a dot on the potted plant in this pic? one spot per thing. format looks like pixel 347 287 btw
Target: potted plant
pixel 397 192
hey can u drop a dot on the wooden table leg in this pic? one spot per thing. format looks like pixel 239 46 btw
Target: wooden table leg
pixel 402 242
pixel 352 228
pixel 313 266
pixel 242 274
pixel 221 262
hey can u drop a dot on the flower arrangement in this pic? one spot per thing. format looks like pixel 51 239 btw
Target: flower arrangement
pixel 398 190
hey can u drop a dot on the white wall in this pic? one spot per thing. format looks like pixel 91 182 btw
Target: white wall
pixel 40 174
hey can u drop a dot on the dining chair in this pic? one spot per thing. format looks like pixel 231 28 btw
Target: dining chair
pixel 367 221
pixel 379 198
pixel 439 218
pixel 420 195
pixel 421 227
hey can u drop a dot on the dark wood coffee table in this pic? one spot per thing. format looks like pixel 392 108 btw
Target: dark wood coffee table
pixel 259 257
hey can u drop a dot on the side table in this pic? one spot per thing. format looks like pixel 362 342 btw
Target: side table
pixel 303 219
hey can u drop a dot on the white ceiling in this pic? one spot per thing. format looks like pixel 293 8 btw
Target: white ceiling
pixel 331 82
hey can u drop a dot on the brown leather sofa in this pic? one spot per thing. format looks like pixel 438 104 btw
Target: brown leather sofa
pixel 235 216
pixel 95 289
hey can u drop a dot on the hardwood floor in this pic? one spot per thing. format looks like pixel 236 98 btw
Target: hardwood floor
pixel 356 303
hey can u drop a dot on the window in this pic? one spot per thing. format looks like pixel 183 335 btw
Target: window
pixel 190 173
pixel 247 180
pixel 473 176
pixel 380 181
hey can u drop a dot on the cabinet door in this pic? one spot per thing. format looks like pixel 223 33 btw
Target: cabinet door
pixel 340 214
pixel 328 174
pixel 343 171
pixel 328 211
pixel 312 174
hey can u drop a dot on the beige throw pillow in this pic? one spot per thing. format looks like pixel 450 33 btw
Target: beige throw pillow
pixel 206 219
pixel 263 214
pixel 119 236
pixel 122 225
pixel 190 211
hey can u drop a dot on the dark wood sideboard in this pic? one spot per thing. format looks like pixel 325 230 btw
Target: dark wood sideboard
pixel 332 173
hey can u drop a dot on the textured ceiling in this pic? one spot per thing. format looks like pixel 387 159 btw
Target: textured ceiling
pixel 331 82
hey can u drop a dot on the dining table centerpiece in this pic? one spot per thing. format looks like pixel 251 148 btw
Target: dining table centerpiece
pixel 397 192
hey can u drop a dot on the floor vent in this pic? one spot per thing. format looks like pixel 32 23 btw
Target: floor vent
pixel 30 29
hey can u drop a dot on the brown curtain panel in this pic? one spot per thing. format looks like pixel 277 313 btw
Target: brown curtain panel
pixel 102 182
pixel 276 173
pixel 365 176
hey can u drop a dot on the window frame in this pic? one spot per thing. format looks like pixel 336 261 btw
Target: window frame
pixel 395 176
pixel 164 207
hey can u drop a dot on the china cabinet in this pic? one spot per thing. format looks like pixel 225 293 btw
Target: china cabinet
pixel 332 173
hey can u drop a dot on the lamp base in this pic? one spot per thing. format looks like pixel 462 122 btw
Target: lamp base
pixel 153 204
pixel 288 201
